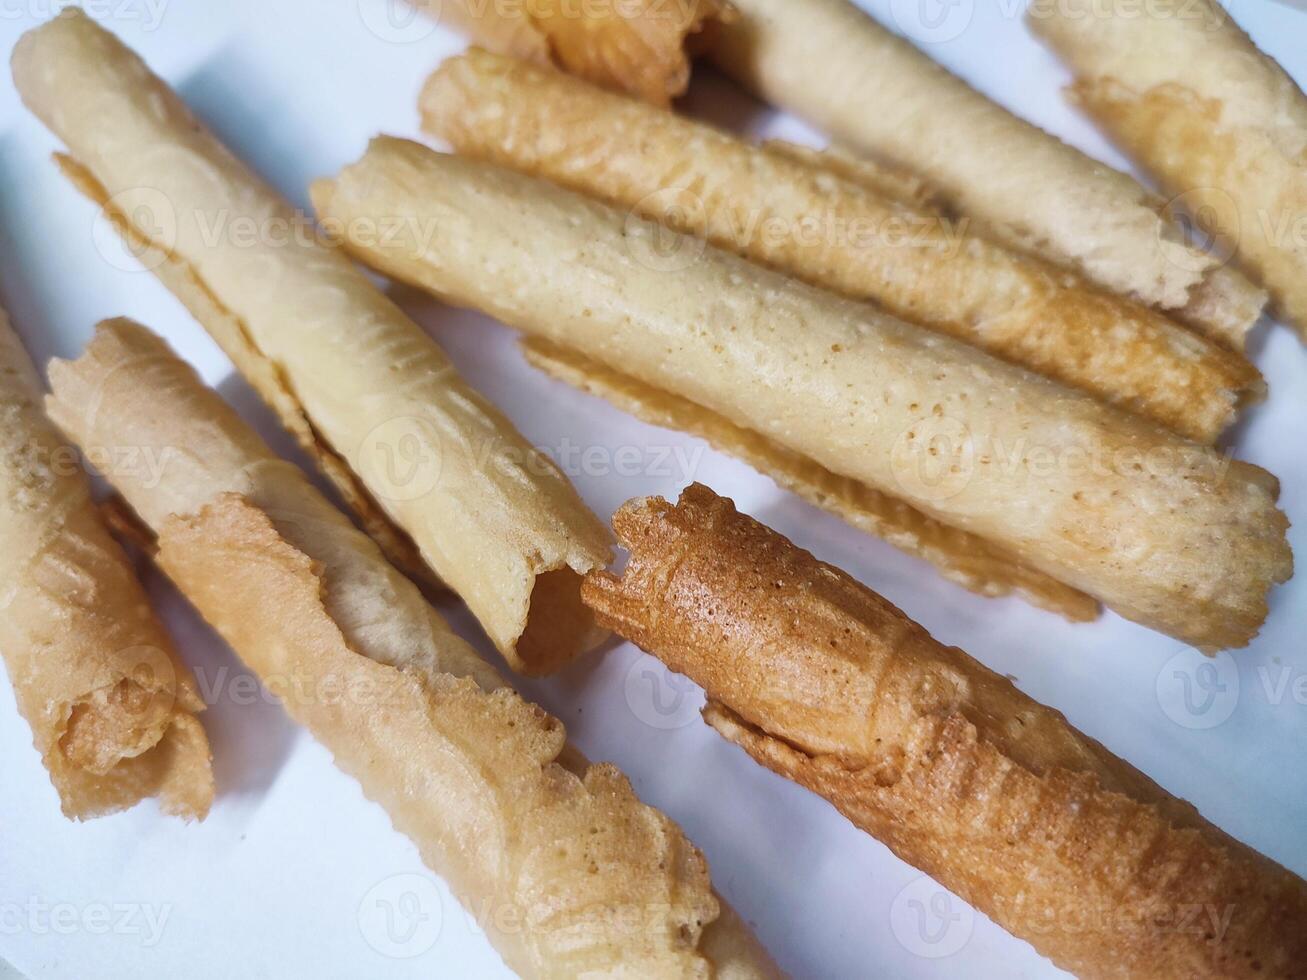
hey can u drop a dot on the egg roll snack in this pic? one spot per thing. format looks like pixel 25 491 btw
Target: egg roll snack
pixel 111 708
pixel 636 46
pixel 360 384
pixel 799 218
pixel 993 795
pixel 1219 124
pixel 832 64
pixel 1165 531
pixel 569 873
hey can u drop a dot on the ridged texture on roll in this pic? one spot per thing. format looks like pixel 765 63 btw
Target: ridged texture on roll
pixel 363 387
pixel 636 46
pixel 111 708
pixel 566 869
pixel 995 796
pixel 832 232
pixel 829 62
pixel 1167 532
pixel 1187 94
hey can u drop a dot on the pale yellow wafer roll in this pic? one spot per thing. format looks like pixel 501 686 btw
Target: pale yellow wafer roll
pixel 971 561
pixel 1223 128
pixel 1165 531
pixel 377 402
pixel 636 46
pixel 566 870
pixel 111 708
pixel 831 63
pixel 797 217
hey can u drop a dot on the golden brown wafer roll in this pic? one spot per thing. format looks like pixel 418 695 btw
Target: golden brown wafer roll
pixel 636 46
pixel 959 773
pixel 111 708
pixel 1188 95
pixel 829 62
pixel 798 218
pixel 567 871
pixel 365 390
pixel 1165 531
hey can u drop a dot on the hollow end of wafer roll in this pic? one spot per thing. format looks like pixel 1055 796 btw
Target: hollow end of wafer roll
pixel 127 742
pixel 110 706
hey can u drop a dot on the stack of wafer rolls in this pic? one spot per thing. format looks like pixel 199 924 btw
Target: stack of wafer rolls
pixel 636 46
pixel 1219 124
pixel 960 774
pixel 1061 496
pixel 568 872
pixel 832 64
pixel 380 406
pixel 111 708
pixel 835 231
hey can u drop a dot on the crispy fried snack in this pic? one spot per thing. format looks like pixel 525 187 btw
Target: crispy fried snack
pixel 569 872
pixel 798 217
pixel 111 708
pixel 380 406
pixel 1217 122
pixel 959 773
pixel 831 63
pixel 637 47
pixel 1165 531
pixel 966 559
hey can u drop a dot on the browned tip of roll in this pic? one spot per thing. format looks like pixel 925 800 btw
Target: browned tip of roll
pixel 640 48
pixel 645 525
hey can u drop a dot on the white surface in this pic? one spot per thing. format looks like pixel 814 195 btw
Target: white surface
pixel 290 874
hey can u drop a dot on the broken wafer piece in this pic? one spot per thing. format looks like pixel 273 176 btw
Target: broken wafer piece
pixel 1217 122
pixel 790 211
pixel 1167 532
pixel 635 46
pixel 408 442
pixel 832 64
pixel 111 708
pixel 993 795
pixel 582 878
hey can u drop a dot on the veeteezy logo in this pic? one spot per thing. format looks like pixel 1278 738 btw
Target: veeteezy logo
pixel 148 13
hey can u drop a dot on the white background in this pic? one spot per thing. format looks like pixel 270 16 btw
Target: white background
pixel 289 875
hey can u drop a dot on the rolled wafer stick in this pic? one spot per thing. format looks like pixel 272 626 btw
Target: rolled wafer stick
pixel 831 63
pixel 992 794
pixel 966 559
pixel 569 873
pixel 364 389
pixel 111 708
pixel 1219 124
pixel 637 47
pixel 796 217
pixel 1166 532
